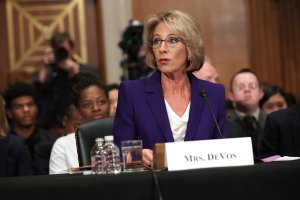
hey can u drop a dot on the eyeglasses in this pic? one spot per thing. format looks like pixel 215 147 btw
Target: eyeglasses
pixel 171 41
pixel 242 87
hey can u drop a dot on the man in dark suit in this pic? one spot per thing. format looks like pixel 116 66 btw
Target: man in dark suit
pixel 282 133
pixel 245 94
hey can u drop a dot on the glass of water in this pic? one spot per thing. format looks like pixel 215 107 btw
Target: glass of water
pixel 132 154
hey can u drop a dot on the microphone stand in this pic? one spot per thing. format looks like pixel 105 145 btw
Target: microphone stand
pixel 204 95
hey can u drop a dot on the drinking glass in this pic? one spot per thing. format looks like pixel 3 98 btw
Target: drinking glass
pixel 132 153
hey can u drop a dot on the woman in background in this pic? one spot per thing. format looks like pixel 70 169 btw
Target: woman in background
pixel 274 99
pixel 15 159
pixel 91 100
pixel 167 107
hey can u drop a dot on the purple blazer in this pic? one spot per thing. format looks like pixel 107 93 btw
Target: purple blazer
pixel 141 112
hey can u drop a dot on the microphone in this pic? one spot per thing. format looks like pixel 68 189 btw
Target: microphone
pixel 203 94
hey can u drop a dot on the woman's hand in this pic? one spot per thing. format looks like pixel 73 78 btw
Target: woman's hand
pixel 148 157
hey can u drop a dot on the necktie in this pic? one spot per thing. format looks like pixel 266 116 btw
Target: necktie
pixel 250 126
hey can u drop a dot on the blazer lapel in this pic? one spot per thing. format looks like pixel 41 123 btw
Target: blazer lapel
pixel 232 116
pixel 155 100
pixel 196 109
pixel 262 119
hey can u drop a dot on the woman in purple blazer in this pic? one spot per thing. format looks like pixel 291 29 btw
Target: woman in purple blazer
pixel 167 106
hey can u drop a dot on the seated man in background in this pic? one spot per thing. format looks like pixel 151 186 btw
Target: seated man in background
pixel 15 159
pixel 245 94
pixel 282 133
pixel 208 72
pixel 22 111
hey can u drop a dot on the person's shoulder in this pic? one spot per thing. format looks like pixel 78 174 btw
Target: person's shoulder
pixel 87 65
pixel 232 115
pixel 16 144
pixel 87 68
pixel 137 82
pixel 70 136
pixel 233 129
pixel 280 113
pixel 213 90
pixel 47 135
pixel 294 109
pixel 131 83
pixel 285 113
pixel 60 143
pixel 15 140
pixel 66 138
pixel 262 115
pixel 206 84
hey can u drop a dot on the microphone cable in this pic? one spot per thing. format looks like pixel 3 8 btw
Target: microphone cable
pixel 156 182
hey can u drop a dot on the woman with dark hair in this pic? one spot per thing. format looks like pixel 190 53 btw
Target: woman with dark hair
pixel 90 98
pixel 274 99
pixel 15 159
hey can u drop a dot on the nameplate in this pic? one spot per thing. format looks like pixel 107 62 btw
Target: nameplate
pixel 209 153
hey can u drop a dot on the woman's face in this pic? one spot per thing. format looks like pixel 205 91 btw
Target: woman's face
pixel 274 103
pixel 171 54
pixel 93 104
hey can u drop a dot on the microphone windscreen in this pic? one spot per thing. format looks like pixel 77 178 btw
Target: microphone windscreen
pixel 203 93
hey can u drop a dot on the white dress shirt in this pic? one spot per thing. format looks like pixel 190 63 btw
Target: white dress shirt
pixel 63 155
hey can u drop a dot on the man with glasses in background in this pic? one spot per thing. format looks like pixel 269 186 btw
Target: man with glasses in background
pixel 245 94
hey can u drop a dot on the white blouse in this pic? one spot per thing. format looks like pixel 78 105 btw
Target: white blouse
pixel 178 124
pixel 63 155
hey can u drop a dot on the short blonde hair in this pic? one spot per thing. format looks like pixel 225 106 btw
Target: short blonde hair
pixel 3 120
pixel 186 28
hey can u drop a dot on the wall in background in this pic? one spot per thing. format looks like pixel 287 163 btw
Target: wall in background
pixel 27 26
pixel 275 42
pixel 116 15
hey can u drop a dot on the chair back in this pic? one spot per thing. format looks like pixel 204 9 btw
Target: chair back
pixel 85 136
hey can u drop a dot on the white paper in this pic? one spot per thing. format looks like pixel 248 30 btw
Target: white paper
pixel 209 153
